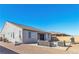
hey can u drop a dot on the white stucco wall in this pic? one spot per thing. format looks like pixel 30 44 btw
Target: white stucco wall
pixel 26 38
pixel 0 34
pixel 47 36
pixel 9 29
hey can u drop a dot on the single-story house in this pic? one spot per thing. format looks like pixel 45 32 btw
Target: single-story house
pixel 18 33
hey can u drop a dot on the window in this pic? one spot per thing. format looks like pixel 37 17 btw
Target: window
pixel 29 34
pixel 48 35
pixel 13 35
pixel 20 34
pixel 3 35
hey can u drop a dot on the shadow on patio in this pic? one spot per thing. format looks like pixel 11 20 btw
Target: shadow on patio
pixel 4 50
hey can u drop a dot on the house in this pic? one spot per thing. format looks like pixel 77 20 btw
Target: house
pixel 18 33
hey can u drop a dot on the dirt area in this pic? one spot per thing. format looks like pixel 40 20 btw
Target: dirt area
pixel 74 49
pixel 64 38
pixel 67 38
pixel 32 49
pixel 35 49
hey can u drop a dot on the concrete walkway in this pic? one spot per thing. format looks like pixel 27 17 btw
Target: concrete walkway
pixel 31 49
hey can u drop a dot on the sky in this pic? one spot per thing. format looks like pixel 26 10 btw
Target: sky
pixel 62 18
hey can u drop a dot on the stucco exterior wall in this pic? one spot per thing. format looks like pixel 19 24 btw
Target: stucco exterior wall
pixel 26 38
pixel 0 34
pixel 8 31
pixel 47 36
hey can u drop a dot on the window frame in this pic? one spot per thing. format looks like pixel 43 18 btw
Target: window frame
pixel 29 34
pixel 20 34
pixel 13 35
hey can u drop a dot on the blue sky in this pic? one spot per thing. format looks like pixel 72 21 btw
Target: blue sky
pixel 50 17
